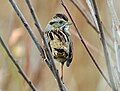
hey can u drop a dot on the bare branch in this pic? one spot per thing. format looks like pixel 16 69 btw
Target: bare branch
pixel 85 13
pixel 20 70
pixel 92 13
pixel 84 43
pixel 50 61
pixel 27 27
pixel 47 50
pixel 104 46
pixel 35 18
pixel 116 32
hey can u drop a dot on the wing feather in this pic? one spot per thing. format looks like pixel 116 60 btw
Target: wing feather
pixel 70 55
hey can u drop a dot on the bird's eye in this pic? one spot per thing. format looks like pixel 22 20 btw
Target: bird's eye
pixel 61 22
pixel 51 23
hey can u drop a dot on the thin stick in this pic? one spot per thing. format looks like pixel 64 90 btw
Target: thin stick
pixel 50 63
pixel 48 52
pixel 86 14
pixel 28 27
pixel 20 70
pixel 29 30
pixel 84 44
pixel 35 18
pixel 115 28
pixel 104 46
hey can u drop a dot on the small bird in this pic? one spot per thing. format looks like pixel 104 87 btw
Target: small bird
pixel 59 40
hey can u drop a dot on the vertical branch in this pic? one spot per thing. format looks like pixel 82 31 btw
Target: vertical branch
pixel 50 63
pixel 116 36
pixel 116 32
pixel 47 50
pixel 92 13
pixel 20 70
pixel 104 46
pixel 85 13
pixel 35 18
pixel 84 44
pixel 88 15
pixel 25 23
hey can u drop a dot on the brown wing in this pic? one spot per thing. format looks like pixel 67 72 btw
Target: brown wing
pixel 58 45
pixel 62 37
pixel 70 51
pixel 70 56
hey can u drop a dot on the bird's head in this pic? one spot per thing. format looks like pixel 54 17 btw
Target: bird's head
pixel 60 21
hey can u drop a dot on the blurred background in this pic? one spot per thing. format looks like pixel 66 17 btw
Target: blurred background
pixel 82 75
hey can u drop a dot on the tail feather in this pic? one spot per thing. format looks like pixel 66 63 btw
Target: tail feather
pixel 68 62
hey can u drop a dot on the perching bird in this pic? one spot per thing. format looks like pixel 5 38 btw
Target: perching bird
pixel 59 40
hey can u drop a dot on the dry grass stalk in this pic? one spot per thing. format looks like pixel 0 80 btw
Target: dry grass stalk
pixel 84 43
pixel 45 55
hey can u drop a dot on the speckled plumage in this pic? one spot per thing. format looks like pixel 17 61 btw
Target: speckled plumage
pixel 59 46
pixel 59 37
pixel 59 40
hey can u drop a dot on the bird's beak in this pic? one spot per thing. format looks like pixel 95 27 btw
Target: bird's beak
pixel 69 23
